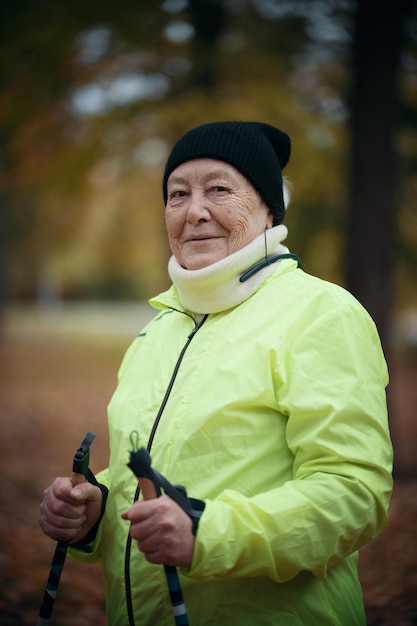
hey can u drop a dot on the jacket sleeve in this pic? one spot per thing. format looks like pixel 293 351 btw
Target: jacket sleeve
pixel 331 386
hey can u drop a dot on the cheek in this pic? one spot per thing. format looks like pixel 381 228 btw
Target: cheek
pixel 241 220
pixel 173 233
pixel 236 216
pixel 172 224
pixel 247 224
pixel 240 225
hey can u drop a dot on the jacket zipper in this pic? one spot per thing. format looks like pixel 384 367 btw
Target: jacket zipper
pixel 128 587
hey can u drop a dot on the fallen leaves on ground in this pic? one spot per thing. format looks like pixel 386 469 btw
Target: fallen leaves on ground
pixel 51 393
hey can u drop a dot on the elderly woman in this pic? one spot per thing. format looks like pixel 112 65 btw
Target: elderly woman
pixel 259 388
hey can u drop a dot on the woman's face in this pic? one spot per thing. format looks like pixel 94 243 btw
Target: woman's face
pixel 212 211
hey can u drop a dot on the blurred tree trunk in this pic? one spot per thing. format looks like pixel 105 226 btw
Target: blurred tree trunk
pixel 374 188
pixel 4 264
pixel 377 41
pixel 209 19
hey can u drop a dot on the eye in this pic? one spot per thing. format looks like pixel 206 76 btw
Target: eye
pixel 219 189
pixel 177 194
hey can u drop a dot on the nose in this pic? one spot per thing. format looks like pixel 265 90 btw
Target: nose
pixel 197 210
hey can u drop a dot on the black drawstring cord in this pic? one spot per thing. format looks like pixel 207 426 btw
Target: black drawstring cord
pixel 128 588
pixel 268 261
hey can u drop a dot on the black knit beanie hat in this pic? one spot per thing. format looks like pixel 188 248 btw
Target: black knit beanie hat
pixel 259 151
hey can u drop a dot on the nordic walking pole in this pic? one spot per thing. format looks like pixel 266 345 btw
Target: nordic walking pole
pixel 79 475
pixel 140 464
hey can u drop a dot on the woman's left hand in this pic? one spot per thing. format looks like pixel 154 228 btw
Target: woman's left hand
pixel 162 530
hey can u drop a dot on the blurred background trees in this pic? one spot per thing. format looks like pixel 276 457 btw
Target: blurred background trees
pixel 92 97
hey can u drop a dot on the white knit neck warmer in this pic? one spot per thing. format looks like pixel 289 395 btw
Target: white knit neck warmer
pixel 216 287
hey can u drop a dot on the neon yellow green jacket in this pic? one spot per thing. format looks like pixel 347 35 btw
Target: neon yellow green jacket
pixel 277 420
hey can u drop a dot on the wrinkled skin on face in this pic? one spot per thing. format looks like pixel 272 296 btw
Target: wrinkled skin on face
pixel 212 211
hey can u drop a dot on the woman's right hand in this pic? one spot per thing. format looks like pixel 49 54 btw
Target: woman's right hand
pixel 68 512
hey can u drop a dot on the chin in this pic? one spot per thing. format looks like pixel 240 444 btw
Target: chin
pixel 199 264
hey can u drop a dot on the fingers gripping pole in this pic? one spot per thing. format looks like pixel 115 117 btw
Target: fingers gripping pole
pixel 79 475
pixel 140 464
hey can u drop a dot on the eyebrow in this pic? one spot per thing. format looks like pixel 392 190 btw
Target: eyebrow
pixel 212 174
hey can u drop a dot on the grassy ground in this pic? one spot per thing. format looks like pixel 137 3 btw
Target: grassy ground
pixel 55 384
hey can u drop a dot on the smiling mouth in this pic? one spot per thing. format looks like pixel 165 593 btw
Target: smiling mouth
pixel 201 240
pixel 193 239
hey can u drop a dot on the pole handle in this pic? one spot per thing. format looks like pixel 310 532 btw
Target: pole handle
pixel 140 464
pixel 77 479
pixel 147 488
pixel 79 475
